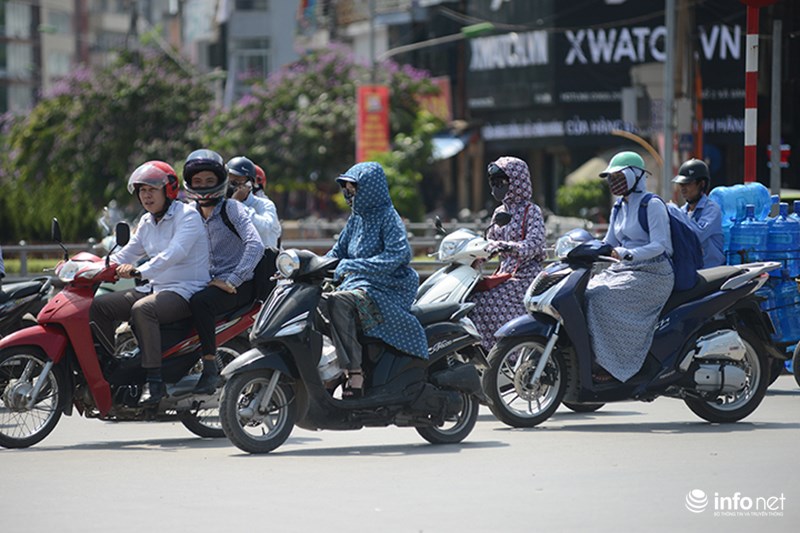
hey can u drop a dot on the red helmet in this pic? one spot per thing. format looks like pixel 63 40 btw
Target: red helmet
pixel 155 174
pixel 261 178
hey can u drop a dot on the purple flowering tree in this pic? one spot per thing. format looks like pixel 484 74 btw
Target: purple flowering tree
pixel 299 125
pixel 75 150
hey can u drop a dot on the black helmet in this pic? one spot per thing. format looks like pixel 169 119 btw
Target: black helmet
pixel 241 166
pixel 693 170
pixel 201 160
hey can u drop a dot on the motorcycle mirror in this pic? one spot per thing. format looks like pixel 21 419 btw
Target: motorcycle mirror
pixel 123 233
pixel 439 227
pixel 55 234
pixel 502 218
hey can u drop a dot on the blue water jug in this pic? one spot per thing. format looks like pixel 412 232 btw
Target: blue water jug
pixel 783 243
pixel 787 307
pixel 796 211
pixel 732 201
pixel 768 304
pixel 748 239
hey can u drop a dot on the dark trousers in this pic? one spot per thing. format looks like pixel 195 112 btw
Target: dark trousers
pixel 145 311
pixel 207 304
pixel 340 309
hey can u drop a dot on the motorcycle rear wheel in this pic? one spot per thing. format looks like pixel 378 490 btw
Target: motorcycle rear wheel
pixel 796 364
pixel 205 423
pixel 248 425
pixel 455 430
pixel 515 401
pixel 734 407
pixel 20 368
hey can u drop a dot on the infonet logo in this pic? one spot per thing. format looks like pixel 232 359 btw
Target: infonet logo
pixel 697 501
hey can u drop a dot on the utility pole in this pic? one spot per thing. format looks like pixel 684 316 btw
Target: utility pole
pixel 775 122
pixel 669 100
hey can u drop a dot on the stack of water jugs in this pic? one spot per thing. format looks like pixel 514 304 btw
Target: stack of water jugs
pixel 752 235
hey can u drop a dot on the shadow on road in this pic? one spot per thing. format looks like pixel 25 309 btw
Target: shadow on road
pixel 382 450
pixel 164 445
pixel 698 427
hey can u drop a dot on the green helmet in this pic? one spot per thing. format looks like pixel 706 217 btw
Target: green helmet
pixel 622 161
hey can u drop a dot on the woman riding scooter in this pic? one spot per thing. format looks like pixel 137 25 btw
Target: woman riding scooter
pixel 377 284
pixel 520 244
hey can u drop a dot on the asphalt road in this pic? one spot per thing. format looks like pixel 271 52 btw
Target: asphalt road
pixel 627 467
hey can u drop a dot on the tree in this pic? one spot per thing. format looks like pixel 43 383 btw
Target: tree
pixel 74 151
pixel 299 125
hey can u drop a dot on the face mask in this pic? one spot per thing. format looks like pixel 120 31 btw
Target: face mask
pixel 618 184
pixel 500 192
pixel 230 191
pixel 348 197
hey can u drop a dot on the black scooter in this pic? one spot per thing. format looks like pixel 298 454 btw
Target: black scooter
pixel 290 376
pixel 20 303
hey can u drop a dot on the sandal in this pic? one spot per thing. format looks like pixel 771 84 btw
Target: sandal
pixel 348 390
pixel 602 376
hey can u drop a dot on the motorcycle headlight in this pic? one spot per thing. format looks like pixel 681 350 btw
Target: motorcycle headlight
pixel 288 263
pixel 449 248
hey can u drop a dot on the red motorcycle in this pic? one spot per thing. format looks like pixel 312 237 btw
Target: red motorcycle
pixel 49 368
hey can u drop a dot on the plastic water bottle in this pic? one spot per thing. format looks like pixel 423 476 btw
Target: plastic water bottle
pixel 768 304
pixel 787 307
pixel 783 243
pixel 748 239
pixel 732 201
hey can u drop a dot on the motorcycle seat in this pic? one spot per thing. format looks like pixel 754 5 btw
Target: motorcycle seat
pixel 708 280
pixel 15 291
pixel 430 313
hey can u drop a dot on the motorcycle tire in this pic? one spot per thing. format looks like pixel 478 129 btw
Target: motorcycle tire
pixel 776 367
pixel 583 407
pixel 514 401
pixel 205 423
pixel 19 426
pixel 796 364
pixel 239 415
pixel 458 429
pixel 732 408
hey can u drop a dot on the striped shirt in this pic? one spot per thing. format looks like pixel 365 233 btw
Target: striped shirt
pixel 232 258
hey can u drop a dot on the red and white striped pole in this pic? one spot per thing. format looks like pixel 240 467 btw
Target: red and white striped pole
pixel 751 94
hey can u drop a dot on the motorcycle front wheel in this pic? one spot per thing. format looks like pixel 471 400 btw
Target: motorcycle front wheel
pixel 253 422
pixel 517 401
pixel 20 425
pixel 456 428
pixel 204 421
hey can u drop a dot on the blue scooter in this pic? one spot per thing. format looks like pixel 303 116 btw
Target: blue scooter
pixel 708 348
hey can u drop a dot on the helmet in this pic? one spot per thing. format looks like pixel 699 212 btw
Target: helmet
pixel 692 170
pixel 622 161
pixel 261 178
pixel 201 160
pixel 241 166
pixel 155 174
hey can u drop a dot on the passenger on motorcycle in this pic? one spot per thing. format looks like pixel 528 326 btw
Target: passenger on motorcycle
pixel 235 250
pixel 703 215
pixel 171 234
pixel 261 183
pixel 623 301
pixel 377 285
pixel 242 175
pixel 520 244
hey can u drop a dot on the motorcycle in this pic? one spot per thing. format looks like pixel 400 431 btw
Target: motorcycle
pixel 49 368
pixel 462 250
pixel 290 377
pixel 20 303
pixel 708 349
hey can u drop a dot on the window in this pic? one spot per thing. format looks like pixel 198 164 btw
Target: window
pixel 60 21
pixel 251 58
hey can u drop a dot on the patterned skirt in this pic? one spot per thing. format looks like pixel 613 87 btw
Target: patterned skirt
pixel 622 307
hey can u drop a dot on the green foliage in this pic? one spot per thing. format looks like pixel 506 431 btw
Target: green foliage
pixel 299 125
pixel 582 198
pixel 74 151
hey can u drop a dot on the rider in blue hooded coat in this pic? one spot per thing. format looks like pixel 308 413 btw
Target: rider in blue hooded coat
pixel 377 284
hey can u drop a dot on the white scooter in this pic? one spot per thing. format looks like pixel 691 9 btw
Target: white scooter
pixel 454 282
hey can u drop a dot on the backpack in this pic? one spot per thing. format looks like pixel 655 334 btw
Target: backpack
pixel 687 254
pixel 265 269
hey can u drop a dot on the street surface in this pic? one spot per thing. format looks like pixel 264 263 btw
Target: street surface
pixel 627 467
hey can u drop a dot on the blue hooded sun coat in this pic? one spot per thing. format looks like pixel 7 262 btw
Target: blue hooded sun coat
pixel 374 256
